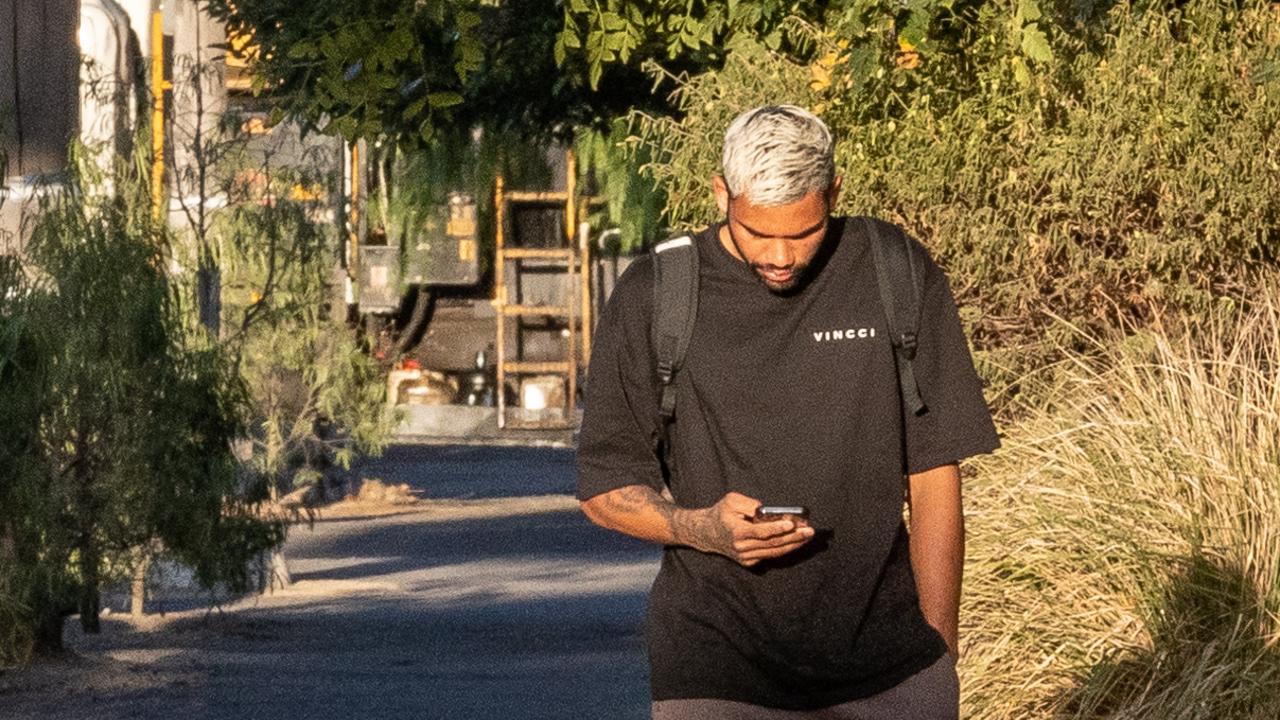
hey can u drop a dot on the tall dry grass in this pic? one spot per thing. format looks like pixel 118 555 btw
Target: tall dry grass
pixel 1125 544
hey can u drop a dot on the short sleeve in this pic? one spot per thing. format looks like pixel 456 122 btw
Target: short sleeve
pixel 619 424
pixel 958 423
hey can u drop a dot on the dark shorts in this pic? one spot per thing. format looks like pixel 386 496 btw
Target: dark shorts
pixel 931 694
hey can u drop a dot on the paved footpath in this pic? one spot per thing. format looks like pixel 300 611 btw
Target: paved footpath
pixel 495 600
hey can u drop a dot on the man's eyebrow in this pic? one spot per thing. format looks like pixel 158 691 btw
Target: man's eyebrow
pixel 803 233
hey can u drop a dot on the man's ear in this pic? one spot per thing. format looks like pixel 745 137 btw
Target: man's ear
pixel 833 193
pixel 721 191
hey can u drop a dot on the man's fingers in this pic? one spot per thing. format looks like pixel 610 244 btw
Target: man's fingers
pixel 763 530
pixel 800 535
pixel 754 556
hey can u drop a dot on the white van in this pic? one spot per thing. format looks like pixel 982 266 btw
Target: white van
pixel 68 69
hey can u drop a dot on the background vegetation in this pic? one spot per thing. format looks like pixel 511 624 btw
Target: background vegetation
pixel 1132 173
pixel 317 396
pixel 1100 179
pixel 164 385
pixel 1102 183
pixel 1125 544
pixel 118 422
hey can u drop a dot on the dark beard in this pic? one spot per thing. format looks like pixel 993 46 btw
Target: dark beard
pixel 798 272
pixel 798 277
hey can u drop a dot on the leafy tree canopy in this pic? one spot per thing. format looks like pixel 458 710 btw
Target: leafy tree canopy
pixel 701 32
pixel 412 69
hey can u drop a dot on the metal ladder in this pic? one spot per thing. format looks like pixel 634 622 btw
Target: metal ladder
pixel 573 257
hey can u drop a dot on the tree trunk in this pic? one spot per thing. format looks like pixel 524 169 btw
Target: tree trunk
pixel 280 570
pixel 209 296
pixel 273 572
pixel 272 459
pixel 138 587
pixel 90 555
pixel 47 640
pixel 90 600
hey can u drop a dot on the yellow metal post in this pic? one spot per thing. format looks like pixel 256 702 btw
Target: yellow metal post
pixel 571 237
pixel 500 295
pixel 354 216
pixel 584 260
pixel 158 87
pixel 571 197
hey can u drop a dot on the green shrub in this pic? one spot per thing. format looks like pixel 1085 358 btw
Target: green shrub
pixel 117 423
pixel 314 396
pixel 1132 173
pixel 1095 202
pixel 18 426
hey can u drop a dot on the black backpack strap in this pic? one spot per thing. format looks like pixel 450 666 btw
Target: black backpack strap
pixel 900 274
pixel 675 306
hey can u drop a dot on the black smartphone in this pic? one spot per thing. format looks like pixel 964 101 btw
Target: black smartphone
pixel 766 513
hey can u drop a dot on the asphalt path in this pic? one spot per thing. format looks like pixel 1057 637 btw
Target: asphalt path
pixel 515 608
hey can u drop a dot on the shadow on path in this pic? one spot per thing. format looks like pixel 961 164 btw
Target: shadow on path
pixel 455 471
pixel 520 615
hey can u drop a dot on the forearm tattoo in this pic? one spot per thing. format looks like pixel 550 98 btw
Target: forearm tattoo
pixel 638 498
pixel 704 531
pixel 696 528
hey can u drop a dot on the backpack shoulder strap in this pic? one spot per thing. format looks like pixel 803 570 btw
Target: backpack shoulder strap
pixel 900 267
pixel 675 306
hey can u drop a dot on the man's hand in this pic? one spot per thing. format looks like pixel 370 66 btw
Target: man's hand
pixel 725 528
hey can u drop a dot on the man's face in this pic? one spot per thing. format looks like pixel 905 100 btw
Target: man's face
pixel 778 242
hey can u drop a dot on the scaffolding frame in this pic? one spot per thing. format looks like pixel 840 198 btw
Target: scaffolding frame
pixel 574 257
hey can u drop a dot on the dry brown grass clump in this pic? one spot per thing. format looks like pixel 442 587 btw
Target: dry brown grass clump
pixel 1125 545
pixel 377 491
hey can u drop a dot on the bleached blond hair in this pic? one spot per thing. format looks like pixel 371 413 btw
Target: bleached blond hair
pixel 777 154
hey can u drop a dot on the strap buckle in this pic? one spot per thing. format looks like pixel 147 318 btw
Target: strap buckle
pixel 666 371
pixel 667 406
pixel 909 345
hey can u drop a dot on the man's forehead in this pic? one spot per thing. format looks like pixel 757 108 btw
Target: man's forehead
pixel 796 219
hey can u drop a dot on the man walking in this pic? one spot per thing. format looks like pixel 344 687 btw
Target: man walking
pixel 789 395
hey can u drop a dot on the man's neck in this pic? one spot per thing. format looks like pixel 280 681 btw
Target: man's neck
pixel 726 241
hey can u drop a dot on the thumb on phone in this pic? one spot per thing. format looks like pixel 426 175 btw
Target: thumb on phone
pixel 739 504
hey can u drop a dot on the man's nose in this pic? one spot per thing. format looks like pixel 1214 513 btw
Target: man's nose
pixel 778 254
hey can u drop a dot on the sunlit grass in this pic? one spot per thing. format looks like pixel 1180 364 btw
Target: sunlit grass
pixel 1124 556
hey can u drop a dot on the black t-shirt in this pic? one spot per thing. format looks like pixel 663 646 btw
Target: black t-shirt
pixel 792 400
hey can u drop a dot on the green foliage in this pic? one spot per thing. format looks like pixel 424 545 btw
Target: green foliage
pixel 20 363
pixel 420 179
pixel 363 68
pixel 634 205
pixel 315 396
pixel 616 32
pixel 1131 175
pixel 260 253
pixel 695 37
pixel 414 71
pixel 121 422
pixel 389 71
